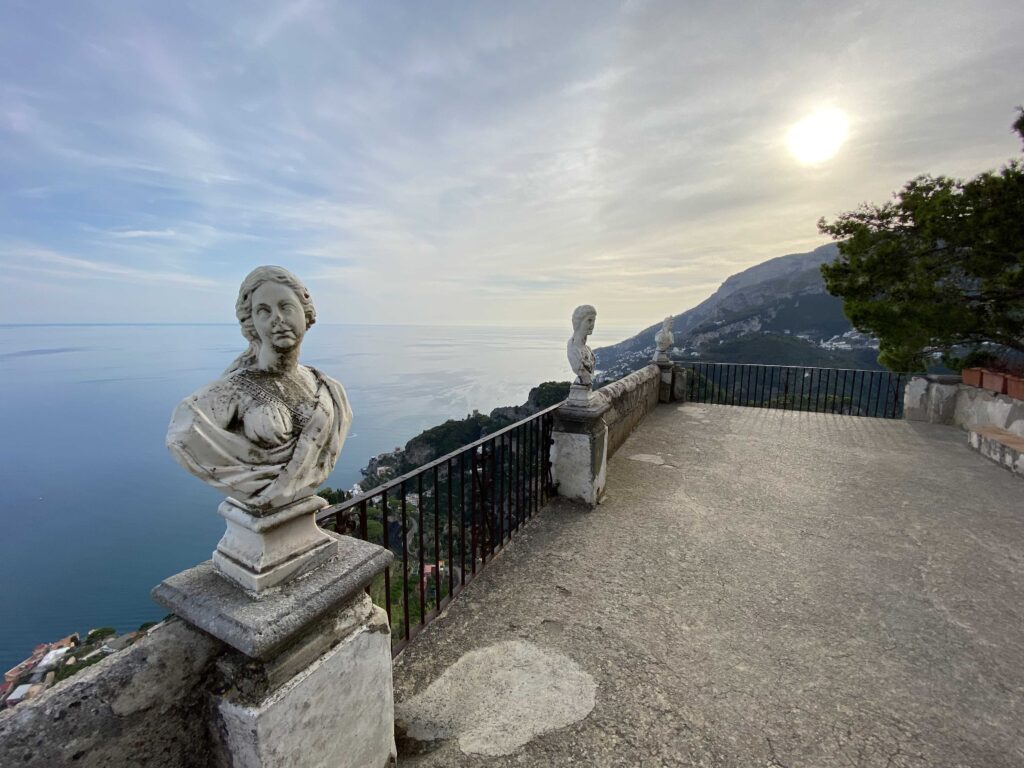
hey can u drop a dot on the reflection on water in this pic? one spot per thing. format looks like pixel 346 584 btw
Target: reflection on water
pixel 93 510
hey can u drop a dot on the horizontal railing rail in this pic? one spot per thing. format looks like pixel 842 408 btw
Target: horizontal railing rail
pixel 466 504
pixel 849 391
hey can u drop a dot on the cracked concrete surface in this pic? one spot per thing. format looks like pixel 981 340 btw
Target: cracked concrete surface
pixel 793 590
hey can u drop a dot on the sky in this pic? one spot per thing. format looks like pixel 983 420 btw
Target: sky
pixel 464 163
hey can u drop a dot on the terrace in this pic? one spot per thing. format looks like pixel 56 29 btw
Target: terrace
pixel 795 568
pixel 760 587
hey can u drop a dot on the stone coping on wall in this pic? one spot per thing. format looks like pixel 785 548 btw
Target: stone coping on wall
pixel 630 399
pixel 143 705
pixel 944 400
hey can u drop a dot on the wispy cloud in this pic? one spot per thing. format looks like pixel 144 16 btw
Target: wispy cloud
pixel 42 261
pixel 475 164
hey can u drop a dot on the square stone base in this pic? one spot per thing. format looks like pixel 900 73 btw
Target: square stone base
pixel 338 711
pixel 579 451
pixel 261 625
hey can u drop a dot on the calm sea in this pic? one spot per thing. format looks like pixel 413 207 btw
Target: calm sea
pixel 93 510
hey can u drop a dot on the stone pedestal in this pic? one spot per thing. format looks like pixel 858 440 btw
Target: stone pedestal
pixel 665 383
pixel 261 550
pixel 679 384
pixel 579 449
pixel 310 681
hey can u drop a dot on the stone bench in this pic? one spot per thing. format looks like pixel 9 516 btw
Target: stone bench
pixel 1003 447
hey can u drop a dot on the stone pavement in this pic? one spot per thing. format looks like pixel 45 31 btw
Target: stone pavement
pixel 761 588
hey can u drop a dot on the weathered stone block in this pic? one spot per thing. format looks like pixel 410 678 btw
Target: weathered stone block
pixel 145 705
pixel 338 711
pixel 679 384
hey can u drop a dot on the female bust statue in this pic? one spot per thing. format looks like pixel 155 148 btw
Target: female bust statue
pixel 581 358
pixel 269 431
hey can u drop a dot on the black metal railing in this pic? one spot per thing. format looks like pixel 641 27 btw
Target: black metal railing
pixel 854 392
pixel 466 505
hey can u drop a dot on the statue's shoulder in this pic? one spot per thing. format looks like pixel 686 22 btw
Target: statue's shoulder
pixel 337 392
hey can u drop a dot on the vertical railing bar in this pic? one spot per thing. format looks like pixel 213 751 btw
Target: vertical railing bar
pixel 437 540
pixel 549 425
pixel 493 489
pixel 451 549
pixel 485 521
pixel 537 469
pixel 520 470
pixel 387 545
pixel 509 484
pixel 462 517
pixel 474 497
pixel 878 391
pixel 405 563
pixel 364 525
pixel 499 483
pixel 419 537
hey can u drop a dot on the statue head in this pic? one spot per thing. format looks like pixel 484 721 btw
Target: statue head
pixel 667 324
pixel 580 316
pixel 244 309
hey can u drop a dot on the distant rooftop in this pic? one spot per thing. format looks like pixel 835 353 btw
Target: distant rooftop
pixel 767 588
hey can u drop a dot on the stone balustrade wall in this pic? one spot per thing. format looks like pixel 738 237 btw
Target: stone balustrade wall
pixel 145 705
pixel 631 398
pixel 944 400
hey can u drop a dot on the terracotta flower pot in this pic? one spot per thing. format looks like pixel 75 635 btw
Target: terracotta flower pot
pixel 1015 387
pixel 994 381
pixel 971 376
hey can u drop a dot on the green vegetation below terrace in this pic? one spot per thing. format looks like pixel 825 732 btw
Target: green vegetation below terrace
pixel 455 433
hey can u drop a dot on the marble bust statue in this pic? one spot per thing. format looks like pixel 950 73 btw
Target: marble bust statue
pixel 269 431
pixel 581 358
pixel 663 339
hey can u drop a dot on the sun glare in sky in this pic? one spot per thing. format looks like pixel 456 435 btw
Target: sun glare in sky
pixel 818 136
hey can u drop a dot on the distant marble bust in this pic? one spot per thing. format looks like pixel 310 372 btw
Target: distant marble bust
pixel 269 431
pixel 663 340
pixel 581 358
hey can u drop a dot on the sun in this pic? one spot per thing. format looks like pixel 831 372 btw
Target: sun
pixel 818 136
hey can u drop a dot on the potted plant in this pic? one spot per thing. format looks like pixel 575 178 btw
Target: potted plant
pixel 1015 386
pixel 994 381
pixel 971 376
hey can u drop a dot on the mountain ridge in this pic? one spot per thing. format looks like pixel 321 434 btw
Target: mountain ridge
pixel 781 302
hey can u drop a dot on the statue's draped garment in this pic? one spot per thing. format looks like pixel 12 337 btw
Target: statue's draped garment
pixel 207 436
pixel 581 360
